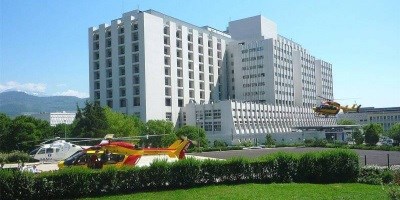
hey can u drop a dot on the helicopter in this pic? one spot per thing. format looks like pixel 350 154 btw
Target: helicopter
pixel 328 108
pixel 112 152
pixel 58 150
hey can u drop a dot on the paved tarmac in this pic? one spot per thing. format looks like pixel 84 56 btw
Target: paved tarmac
pixel 144 161
pixel 374 157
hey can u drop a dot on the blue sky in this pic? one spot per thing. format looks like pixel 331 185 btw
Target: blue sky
pixel 44 47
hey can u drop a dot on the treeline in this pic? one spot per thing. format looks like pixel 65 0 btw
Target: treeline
pixel 371 132
pixel 23 133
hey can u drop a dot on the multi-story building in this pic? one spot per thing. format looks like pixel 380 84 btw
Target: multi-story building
pixel 387 117
pixel 269 68
pixel 152 65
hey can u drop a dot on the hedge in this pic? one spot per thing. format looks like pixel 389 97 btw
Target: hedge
pixel 316 167
pixel 15 157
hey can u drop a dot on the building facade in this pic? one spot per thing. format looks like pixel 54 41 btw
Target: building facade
pixel 151 65
pixel 387 117
pixel 158 67
pixel 55 118
pixel 240 121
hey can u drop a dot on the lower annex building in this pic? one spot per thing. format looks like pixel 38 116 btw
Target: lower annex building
pixel 238 84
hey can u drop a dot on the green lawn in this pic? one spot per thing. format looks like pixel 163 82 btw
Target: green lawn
pixel 266 191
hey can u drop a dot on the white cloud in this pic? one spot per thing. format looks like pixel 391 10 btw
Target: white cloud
pixel 25 87
pixel 61 85
pixel 72 93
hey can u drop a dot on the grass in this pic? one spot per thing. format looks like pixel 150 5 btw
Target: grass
pixel 266 191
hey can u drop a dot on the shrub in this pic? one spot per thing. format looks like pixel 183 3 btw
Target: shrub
pixel 315 142
pixel 15 156
pixel 75 182
pixel 328 166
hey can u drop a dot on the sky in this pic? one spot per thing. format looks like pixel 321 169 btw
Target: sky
pixel 44 43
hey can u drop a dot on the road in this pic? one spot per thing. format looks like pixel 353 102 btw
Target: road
pixel 374 157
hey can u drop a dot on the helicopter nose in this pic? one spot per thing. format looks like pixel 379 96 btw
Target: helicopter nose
pixel 60 164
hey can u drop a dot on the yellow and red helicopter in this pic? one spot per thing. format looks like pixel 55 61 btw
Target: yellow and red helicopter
pixel 329 107
pixel 112 152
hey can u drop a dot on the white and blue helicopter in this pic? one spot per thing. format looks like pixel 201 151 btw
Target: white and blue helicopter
pixel 58 150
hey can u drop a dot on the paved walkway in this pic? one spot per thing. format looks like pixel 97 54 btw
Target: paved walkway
pixel 374 157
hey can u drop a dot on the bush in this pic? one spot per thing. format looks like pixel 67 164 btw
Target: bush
pixel 315 142
pixel 394 192
pixel 15 157
pixel 75 182
pixel 328 166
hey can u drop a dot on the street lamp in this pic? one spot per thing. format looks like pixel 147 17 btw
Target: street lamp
pixel 65 129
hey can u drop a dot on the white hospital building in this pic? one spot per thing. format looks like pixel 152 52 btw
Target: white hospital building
pixel 238 84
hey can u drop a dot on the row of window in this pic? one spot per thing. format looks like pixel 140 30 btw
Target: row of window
pixel 253 84
pixel 252 58
pixel 252 67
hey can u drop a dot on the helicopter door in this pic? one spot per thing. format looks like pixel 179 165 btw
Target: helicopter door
pixel 56 154
pixel 49 153
pixel 40 155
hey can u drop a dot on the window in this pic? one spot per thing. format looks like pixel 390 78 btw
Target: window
pixel 179 73
pixel 121 61
pixel 122 92
pixel 109 83
pixel 96 85
pixel 135 36
pixel 217 114
pixel 110 103
pixel 122 81
pixel 208 126
pixel 217 126
pixel 135 57
pixel 136 90
pixel 136 101
pixel 180 83
pixel 180 102
pixel 191 93
pixel 96 75
pixel 135 27
pixel 167 91
pixel 135 47
pixel 191 84
pixel 168 81
pixel 109 94
pixel 108 63
pixel 121 39
pixel 168 116
pixel 136 79
pixel 122 71
pixel 136 68
pixel 167 101
pixel 207 114
pixel 109 73
pixel 122 103
pixel 180 92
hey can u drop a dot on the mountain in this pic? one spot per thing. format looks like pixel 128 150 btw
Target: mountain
pixel 15 103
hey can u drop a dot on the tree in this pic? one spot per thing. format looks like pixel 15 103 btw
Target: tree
pixel 22 133
pixel 91 122
pixel 193 133
pixel 358 136
pixel 122 125
pixel 220 143
pixel 162 128
pixel 372 133
pixel 346 122
pixel 394 132
pixel 5 123
pixel 268 140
